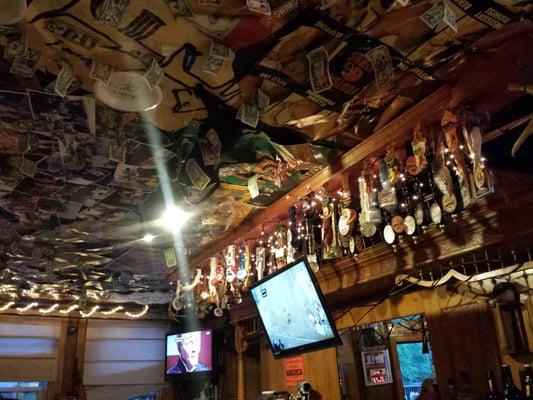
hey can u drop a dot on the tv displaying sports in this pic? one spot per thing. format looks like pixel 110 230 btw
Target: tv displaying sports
pixel 291 307
pixel 189 353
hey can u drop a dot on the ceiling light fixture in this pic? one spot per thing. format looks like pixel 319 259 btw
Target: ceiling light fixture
pixel 174 218
pixel 148 237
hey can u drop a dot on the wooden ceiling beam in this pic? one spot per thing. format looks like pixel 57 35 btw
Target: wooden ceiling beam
pixel 426 111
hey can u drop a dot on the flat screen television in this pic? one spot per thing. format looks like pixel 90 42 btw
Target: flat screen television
pixel 291 307
pixel 189 354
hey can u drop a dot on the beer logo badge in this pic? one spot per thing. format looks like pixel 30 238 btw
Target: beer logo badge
pixel 351 245
pixel 479 177
pixel 343 225
pixel 398 224
pixel 410 224
pixel 388 234
pixel 419 215
pixel 436 213
pixel 344 221
pixel 241 274
pixel 368 229
pixel 449 203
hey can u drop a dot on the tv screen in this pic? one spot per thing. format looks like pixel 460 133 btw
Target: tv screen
pixel 291 307
pixel 189 353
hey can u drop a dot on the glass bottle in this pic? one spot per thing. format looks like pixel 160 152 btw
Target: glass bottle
pixel 528 382
pixel 493 393
pixel 510 391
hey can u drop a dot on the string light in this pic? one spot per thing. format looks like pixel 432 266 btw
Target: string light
pixel 93 310
pixel 112 311
pixel 7 305
pixel 70 309
pixel 73 307
pixel 52 308
pixel 140 313
pixel 28 307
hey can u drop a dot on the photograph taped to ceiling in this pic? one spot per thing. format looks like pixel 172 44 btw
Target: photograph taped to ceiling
pixel 380 60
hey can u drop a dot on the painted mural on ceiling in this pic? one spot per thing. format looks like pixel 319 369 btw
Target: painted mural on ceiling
pixel 110 107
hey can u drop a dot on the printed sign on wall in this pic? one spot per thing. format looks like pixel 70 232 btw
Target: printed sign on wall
pixel 294 370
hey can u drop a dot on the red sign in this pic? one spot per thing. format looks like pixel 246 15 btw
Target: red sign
pixel 377 368
pixel 294 370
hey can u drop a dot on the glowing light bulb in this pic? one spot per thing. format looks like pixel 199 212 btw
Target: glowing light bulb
pixel 148 237
pixel 93 310
pixel 7 305
pixel 174 218
pixel 50 309
pixel 112 311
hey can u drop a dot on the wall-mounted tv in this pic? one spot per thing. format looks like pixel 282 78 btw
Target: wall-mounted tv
pixel 291 307
pixel 189 354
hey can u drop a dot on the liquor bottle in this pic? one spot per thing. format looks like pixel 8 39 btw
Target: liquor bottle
pixel 528 382
pixel 465 390
pixel 510 391
pixel 493 393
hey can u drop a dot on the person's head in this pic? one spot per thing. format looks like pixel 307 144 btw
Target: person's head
pixel 189 345
pixel 427 386
pixel 296 67
pixel 355 67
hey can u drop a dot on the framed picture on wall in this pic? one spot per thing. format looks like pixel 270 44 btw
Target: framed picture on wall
pixel 376 366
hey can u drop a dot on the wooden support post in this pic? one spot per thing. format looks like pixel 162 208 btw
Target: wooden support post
pixel 240 346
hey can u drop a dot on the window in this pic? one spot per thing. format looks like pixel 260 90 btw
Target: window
pixel 22 390
pixel 415 367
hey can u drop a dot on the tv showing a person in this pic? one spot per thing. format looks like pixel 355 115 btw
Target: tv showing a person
pixel 189 352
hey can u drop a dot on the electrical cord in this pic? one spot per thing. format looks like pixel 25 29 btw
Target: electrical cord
pixel 373 306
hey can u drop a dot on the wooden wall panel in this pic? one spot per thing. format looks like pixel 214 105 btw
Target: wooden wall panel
pixel 472 344
pixel 461 330
pixel 517 361
pixel 320 369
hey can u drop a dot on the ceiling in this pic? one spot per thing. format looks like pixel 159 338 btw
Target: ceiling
pixel 284 90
